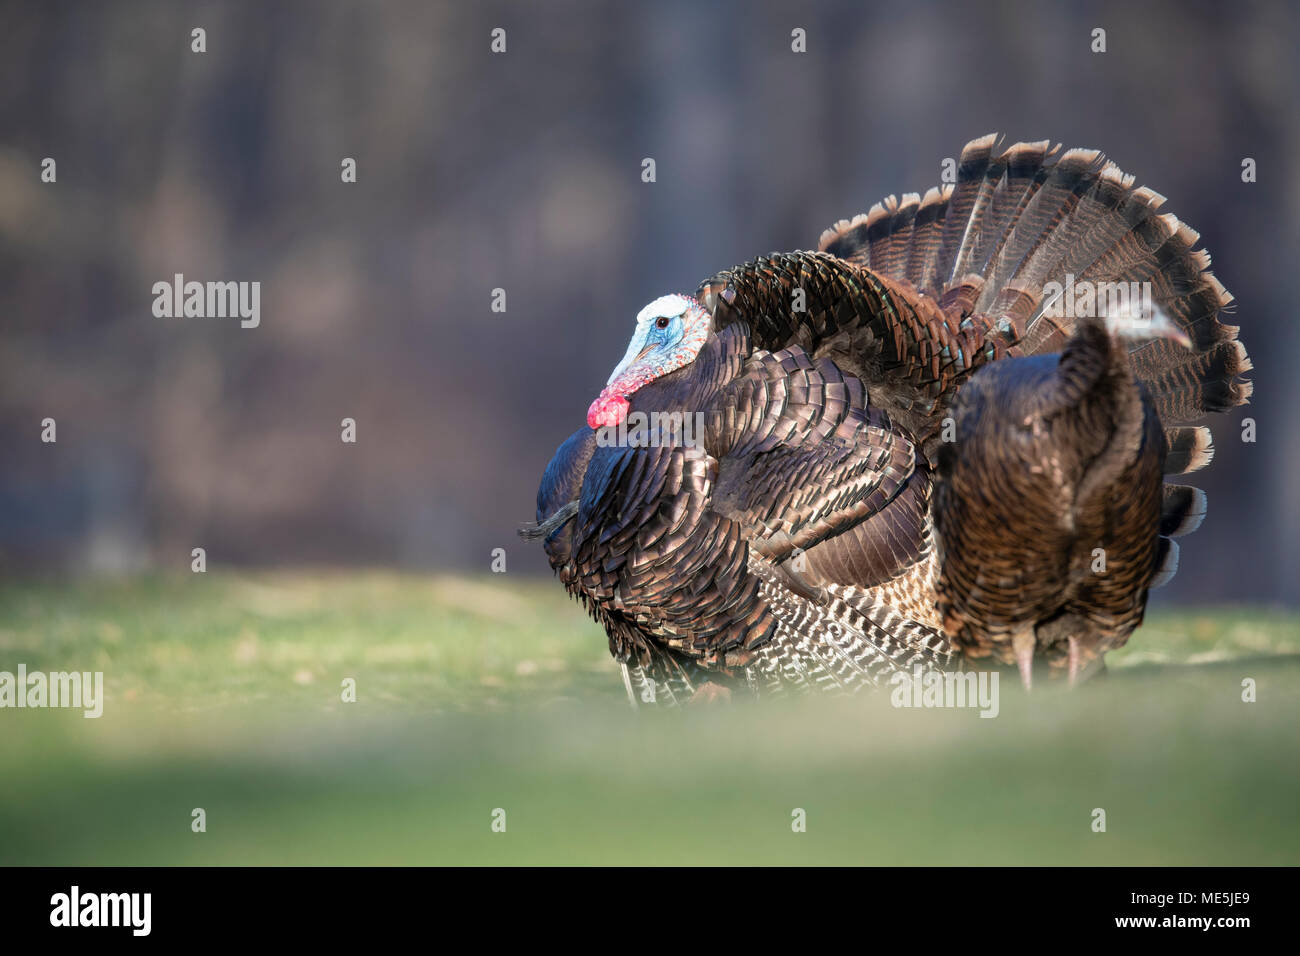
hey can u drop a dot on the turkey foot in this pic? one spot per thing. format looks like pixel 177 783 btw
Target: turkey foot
pixel 1085 660
pixel 1023 642
pixel 710 693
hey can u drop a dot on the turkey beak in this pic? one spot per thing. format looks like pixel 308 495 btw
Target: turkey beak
pixel 1157 326
pixel 1162 327
pixel 630 359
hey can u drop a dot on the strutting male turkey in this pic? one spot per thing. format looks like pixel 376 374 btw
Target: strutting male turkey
pixel 787 541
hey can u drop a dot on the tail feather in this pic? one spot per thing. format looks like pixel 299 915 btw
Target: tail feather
pixel 1182 511
pixel 965 205
pixel 1184 387
pixel 1020 220
pixel 1044 227
pixel 1017 178
pixel 1187 449
pixel 1166 562
pixel 1099 219
pixel 927 234
pixel 971 253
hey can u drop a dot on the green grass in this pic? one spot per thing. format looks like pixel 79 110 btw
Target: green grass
pixel 223 692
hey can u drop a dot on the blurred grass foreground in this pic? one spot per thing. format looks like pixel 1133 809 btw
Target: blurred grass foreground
pixel 224 692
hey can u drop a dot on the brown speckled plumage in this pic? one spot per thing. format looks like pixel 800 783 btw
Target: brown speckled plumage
pixel 794 545
pixel 1048 507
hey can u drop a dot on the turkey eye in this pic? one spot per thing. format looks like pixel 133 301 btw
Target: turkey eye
pixel 661 322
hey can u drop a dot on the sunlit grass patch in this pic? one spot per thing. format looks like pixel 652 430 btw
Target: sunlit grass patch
pixel 224 692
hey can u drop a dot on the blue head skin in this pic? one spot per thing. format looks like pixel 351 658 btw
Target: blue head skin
pixel 669 334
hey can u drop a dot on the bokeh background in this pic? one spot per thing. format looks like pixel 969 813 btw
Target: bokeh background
pixel 522 171
pixel 331 563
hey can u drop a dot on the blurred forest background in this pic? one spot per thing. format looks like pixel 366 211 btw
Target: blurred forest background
pixel 522 170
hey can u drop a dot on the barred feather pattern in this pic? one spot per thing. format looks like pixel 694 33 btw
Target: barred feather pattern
pixel 1075 453
pixel 828 376
pixel 658 687
pixel 915 295
pixel 851 642
pixel 782 534
pixel 918 294
pixel 912 349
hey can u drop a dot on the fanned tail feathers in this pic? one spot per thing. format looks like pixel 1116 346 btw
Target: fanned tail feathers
pixel 1023 226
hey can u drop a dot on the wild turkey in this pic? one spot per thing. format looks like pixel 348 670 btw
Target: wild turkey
pixel 1048 502
pixel 792 545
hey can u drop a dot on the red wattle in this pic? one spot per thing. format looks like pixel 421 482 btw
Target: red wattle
pixel 609 408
